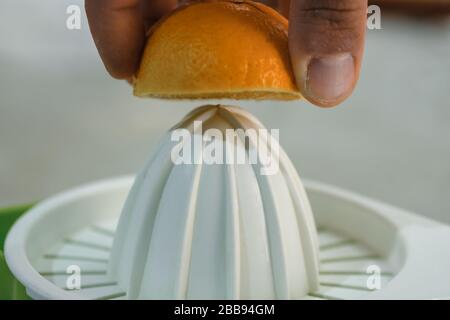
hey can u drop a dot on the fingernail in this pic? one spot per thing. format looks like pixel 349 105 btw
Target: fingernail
pixel 330 77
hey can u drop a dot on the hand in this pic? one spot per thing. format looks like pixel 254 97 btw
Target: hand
pixel 326 40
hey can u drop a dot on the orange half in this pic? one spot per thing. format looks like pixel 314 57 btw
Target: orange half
pixel 218 49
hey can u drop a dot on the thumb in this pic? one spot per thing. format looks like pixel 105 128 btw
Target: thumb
pixel 326 41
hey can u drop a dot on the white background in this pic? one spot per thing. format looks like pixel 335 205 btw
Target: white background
pixel 64 122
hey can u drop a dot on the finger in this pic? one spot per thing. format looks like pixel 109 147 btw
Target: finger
pixel 326 41
pixel 118 29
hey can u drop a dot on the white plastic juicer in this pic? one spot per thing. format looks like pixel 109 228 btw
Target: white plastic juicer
pixel 225 231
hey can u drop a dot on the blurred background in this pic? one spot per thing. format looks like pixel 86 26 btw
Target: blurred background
pixel 65 122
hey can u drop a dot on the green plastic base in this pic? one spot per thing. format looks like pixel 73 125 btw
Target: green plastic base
pixel 10 288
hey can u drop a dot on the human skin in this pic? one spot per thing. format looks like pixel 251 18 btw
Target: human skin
pixel 326 40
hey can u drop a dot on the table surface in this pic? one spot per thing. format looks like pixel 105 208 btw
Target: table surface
pixel 64 122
